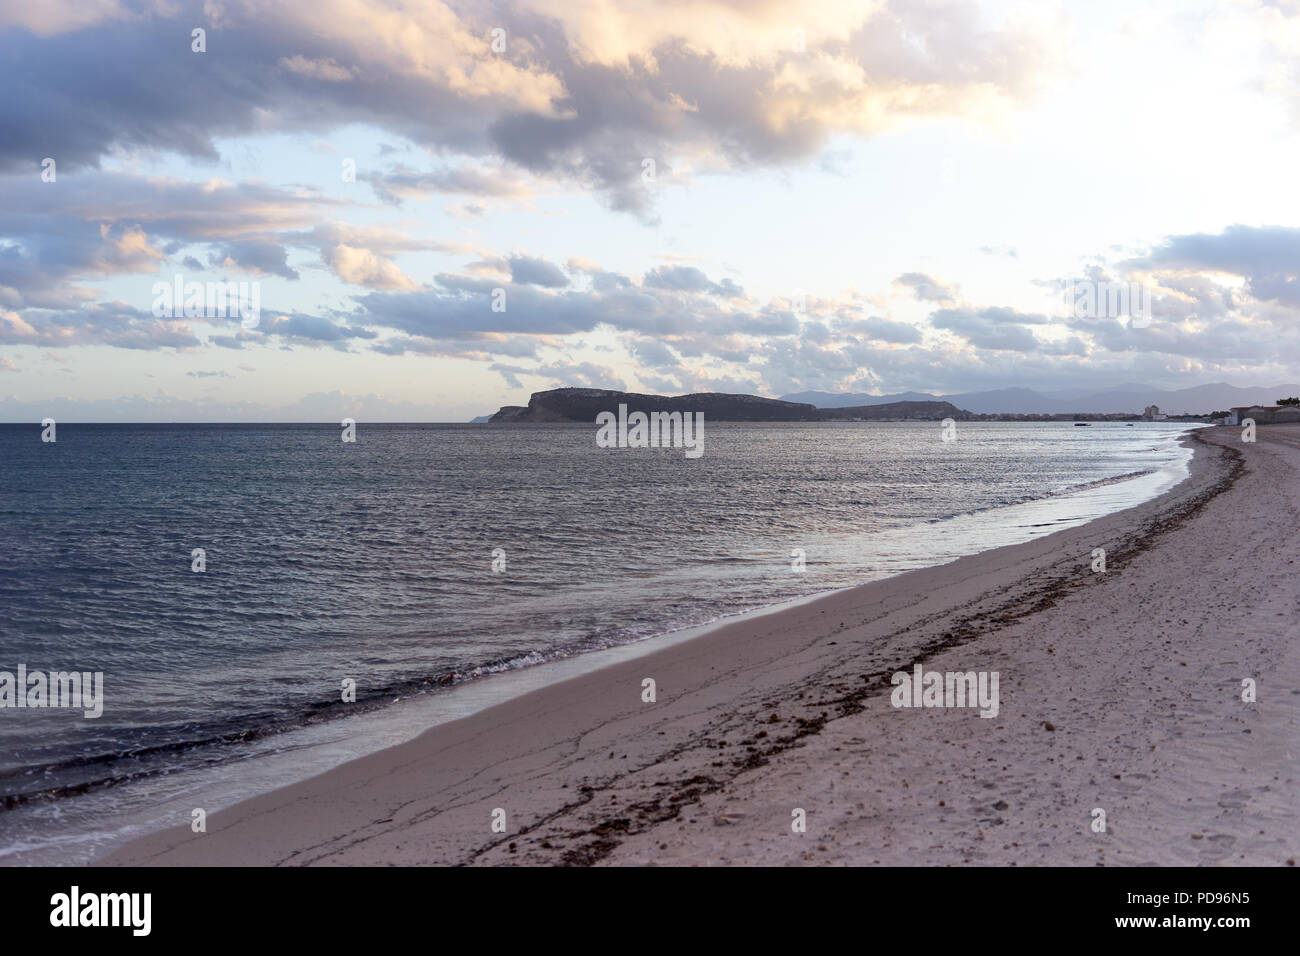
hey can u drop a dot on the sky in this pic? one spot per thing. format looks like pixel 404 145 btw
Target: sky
pixel 440 208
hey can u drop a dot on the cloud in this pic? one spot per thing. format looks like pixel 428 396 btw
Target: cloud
pixel 362 255
pixel 926 288
pixel 886 330
pixel 1226 303
pixel 580 95
pixel 309 329
pixel 60 16
pixel 365 267
pixel 323 69
pixel 531 271
pixel 558 374
pixel 112 323
pixel 690 279
pixel 995 328
pixel 259 258
pixel 654 354
pixel 1266 257
pixel 466 210
pixel 99 224
pixel 490 182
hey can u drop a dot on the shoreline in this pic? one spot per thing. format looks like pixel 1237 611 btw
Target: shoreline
pixel 586 772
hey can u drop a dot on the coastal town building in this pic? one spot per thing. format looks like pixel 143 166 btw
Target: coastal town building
pixel 1262 414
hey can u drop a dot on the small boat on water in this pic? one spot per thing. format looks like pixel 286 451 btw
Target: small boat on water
pixel 1083 424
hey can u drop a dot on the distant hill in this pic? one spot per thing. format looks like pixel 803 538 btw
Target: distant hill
pixel 1009 400
pixel 584 404
pixel 1131 399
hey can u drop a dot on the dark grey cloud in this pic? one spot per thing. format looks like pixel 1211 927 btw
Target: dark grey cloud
pixel 653 353
pixel 885 330
pixel 260 257
pixel 609 281
pixel 311 328
pixel 690 279
pixel 536 271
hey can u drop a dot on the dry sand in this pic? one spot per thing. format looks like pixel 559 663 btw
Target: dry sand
pixel 1119 691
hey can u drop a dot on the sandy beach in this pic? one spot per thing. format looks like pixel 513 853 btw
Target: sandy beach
pixel 1119 691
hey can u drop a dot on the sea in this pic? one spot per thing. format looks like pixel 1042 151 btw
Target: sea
pixel 234 583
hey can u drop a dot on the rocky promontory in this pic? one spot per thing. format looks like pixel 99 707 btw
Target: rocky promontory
pixel 584 404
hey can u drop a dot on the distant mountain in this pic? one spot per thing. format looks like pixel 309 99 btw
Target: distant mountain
pixel 897 412
pixel 1002 401
pixel 482 419
pixel 1020 401
pixel 1132 399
